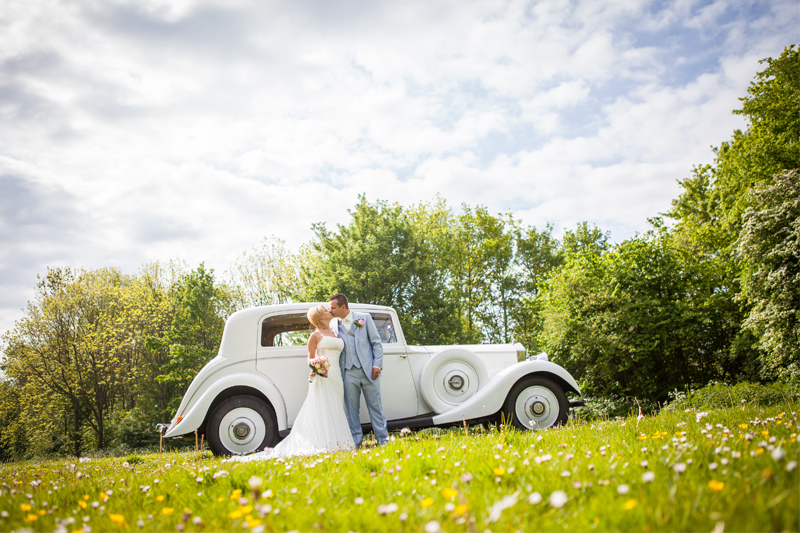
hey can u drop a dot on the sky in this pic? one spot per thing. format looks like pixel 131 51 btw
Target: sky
pixel 142 130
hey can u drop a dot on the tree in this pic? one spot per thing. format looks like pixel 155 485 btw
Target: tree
pixel 195 333
pixel 770 246
pixel 381 258
pixel 268 274
pixel 640 320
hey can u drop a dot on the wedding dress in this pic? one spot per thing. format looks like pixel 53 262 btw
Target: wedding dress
pixel 321 425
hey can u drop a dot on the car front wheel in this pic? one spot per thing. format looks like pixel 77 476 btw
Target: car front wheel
pixel 240 425
pixel 536 403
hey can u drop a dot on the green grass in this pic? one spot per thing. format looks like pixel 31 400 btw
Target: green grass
pixel 427 476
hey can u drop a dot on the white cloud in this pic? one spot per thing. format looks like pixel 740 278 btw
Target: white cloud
pixel 158 129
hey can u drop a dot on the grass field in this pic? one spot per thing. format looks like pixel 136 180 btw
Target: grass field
pixel 732 469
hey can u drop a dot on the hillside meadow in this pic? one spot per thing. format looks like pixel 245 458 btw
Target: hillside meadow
pixel 732 469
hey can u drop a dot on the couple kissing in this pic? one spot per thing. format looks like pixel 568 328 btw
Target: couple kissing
pixel 346 357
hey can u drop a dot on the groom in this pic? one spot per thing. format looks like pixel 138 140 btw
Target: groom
pixel 361 363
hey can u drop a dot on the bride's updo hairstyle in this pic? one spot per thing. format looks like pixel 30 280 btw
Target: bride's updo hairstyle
pixel 316 315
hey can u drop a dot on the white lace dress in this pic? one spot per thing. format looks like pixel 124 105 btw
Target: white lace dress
pixel 321 425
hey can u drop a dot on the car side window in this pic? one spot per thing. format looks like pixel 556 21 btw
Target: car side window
pixel 286 330
pixel 383 321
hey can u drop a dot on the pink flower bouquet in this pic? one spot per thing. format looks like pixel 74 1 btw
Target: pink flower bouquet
pixel 319 366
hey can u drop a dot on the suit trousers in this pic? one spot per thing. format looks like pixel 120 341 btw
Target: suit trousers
pixel 356 381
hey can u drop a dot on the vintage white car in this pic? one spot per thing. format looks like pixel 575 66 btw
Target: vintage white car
pixel 249 395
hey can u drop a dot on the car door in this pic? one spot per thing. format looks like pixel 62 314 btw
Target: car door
pixel 282 356
pixel 398 391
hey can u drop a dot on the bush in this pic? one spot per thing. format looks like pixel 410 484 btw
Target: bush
pixel 720 395
pixel 613 406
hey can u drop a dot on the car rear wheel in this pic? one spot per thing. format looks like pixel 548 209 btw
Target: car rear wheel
pixel 536 403
pixel 240 425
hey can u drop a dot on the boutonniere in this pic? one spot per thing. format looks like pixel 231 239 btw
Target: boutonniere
pixel 359 323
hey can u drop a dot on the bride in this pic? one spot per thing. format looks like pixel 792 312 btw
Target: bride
pixel 321 425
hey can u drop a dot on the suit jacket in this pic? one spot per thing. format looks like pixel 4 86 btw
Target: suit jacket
pixel 367 343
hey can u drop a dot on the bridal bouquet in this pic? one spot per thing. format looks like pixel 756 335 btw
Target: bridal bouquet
pixel 319 366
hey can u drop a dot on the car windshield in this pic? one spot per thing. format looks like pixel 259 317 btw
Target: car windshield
pixel 294 329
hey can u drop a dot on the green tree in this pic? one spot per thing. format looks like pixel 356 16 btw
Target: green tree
pixel 770 246
pixel 381 258
pixel 640 320
pixel 195 332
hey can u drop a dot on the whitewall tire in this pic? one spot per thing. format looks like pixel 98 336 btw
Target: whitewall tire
pixel 240 425
pixel 536 403
pixel 451 377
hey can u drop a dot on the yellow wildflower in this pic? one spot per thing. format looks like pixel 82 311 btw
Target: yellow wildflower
pixel 85 496
pixel 716 485
pixel 630 504
pixel 41 512
pixel 103 496
pixel 427 502
pixel 160 498
pixel 743 426
pixel 235 494
pixel 167 511
pixel 82 504
pixel 25 507
pixel 246 509
pixel 642 437
pixel 759 451
pixel 253 523
pixel 117 519
pixel 449 493
pixel 498 471
pixel 31 518
pixel 460 509
pixel 234 515
pixel 767 473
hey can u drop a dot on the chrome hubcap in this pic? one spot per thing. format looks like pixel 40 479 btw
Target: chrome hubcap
pixel 242 430
pixel 536 407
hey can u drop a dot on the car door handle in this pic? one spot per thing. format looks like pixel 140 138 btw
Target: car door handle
pixel 404 355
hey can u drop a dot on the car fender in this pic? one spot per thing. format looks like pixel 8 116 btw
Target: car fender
pixel 196 413
pixel 490 399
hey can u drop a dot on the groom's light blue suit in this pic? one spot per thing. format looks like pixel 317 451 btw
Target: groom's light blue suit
pixel 362 351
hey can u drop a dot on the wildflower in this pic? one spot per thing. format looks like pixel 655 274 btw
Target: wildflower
pixel 712 466
pixel 649 476
pixel 82 504
pixel 254 483
pixel 630 504
pixel 31 518
pixel 715 485
pixel 535 498
pixel 644 464
pixel 388 508
pixel 498 472
pixel 266 494
pixel 433 527
pixel 623 489
pixel 558 499
pixel 167 511
pixel 767 473
pixel 791 465
pixel 160 498
pixel 117 519
pixel 360 501
pixel 427 502
pixel 680 468
pixel 449 507
pixel 403 517
pixel 460 509
pixel 743 426
pixel 466 477
pixel 235 494
pixel 25 507
pixel 503 504
pixel 778 454
pixel 449 493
